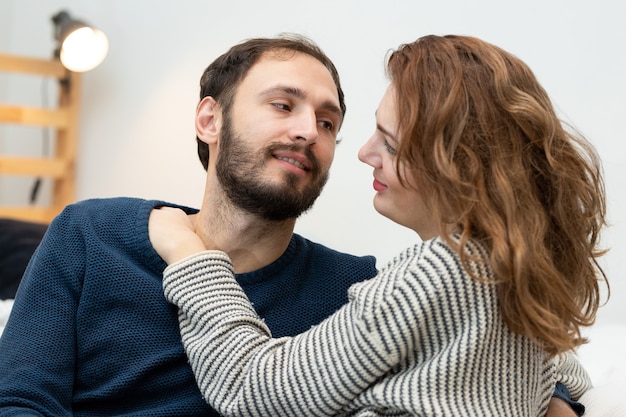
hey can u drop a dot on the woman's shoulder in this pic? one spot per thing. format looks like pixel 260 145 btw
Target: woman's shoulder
pixel 452 251
pixel 435 263
pixel 436 248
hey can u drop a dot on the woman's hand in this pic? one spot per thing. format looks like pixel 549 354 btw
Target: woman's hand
pixel 172 234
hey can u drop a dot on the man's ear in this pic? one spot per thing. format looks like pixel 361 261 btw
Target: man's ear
pixel 208 120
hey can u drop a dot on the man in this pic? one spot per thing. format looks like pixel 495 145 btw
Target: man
pixel 91 332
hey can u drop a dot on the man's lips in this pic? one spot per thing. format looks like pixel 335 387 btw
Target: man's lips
pixel 293 161
pixel 379 186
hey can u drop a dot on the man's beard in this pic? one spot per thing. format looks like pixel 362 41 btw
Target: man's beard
pixel 240 172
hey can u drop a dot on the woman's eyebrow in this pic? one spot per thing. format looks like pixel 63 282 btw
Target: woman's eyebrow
pixel 385 131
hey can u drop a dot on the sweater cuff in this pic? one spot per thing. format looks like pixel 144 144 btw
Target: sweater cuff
pixel 182 274
pixel 563 393
pixel 204 256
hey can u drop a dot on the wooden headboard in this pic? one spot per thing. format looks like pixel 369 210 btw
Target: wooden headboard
pixel 63 120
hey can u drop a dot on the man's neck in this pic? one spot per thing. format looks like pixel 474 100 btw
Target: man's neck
pixel 252 243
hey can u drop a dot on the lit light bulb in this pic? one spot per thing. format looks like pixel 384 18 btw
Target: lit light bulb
pixel 84 49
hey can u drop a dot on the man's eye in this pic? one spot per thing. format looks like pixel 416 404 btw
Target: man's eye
pixel 282 106
pixel 326 125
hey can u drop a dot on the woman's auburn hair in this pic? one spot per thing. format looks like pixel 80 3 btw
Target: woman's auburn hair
pixel 483 144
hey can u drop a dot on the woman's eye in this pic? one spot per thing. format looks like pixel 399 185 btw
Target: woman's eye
pixel 389 148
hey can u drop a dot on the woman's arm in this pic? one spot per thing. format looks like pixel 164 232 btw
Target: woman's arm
pixel 239 368
pixel 263 376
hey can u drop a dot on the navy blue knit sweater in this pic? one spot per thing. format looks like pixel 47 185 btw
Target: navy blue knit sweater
pixel 91 333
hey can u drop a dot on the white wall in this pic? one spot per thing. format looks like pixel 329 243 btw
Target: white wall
pixel 137 134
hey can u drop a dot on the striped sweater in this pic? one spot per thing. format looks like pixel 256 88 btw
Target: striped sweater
pixel 421 338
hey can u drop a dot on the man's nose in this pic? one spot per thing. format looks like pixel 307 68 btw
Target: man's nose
pixel 305 127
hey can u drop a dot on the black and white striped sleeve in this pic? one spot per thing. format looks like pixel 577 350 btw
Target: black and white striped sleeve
pixel 242 371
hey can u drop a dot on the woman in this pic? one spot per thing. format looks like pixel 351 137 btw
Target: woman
pixel 479 317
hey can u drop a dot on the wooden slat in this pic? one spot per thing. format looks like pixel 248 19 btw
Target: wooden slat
pixel 28 213
pixel 35 167
pixel 34 116
pixel 38 66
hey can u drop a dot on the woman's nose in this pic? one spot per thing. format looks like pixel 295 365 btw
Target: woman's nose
pixel 367 154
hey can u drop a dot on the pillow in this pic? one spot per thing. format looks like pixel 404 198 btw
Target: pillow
pixel 18 241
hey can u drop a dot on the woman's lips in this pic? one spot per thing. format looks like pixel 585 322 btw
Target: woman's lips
pixel 379 186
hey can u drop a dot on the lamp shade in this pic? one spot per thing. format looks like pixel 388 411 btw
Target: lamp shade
pixel 80 47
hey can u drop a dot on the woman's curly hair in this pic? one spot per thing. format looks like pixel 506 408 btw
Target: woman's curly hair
pixel 482 142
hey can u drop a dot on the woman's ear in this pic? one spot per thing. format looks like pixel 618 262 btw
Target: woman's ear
pixel 208 120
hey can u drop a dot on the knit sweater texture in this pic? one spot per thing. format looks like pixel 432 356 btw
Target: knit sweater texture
pixel 423 338
pixel 91 334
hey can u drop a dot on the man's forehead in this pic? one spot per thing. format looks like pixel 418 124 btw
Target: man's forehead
pixel 281 54
pixel 285 67
pixel 280 57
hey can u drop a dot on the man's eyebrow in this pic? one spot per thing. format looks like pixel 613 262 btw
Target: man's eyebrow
pixel 298 93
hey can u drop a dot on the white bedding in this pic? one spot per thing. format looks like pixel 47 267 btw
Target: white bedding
pixel 5 309
pixel 605 359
